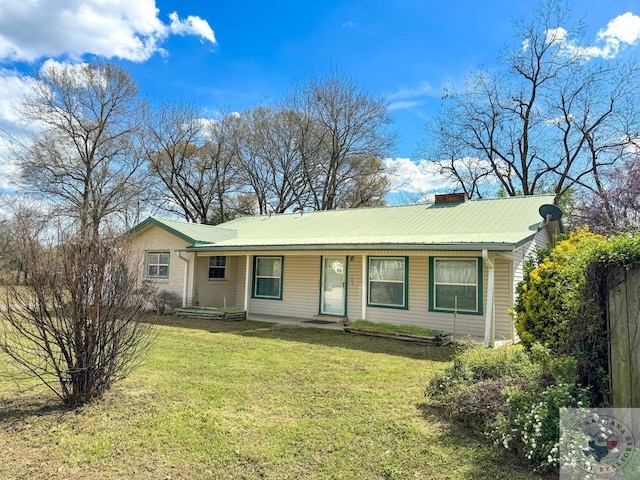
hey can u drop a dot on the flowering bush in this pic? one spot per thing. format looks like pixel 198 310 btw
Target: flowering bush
pixel 512 396
pixel 530 426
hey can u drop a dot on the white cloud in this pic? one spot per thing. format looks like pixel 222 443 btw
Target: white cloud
pixel 191 26
pixel 426 178
pixel 422 177
pixel 131 30
pixel 556 35
pixel 404 104
pixel 13 87
pixel 421 90
pixel 624 28
pixel 405 98
pixel 622 31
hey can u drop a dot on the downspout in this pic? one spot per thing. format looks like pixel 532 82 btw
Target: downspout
pixel 489 324
pixel 185 285
pixel 364 288
pixel 247 283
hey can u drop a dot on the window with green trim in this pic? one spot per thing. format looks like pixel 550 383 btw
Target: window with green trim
pixel 456 284
pixel 217 267
pixel 158 265
pixel 387 282
pixel 267 277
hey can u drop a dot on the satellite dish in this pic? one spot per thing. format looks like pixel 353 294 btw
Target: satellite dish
pixel 549 212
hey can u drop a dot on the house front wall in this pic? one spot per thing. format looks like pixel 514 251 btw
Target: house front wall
pixel 301 284
pixel 216 292
pixel 157 240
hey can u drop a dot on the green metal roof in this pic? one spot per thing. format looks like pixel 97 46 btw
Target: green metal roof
pixel 503 223
pixel 196 234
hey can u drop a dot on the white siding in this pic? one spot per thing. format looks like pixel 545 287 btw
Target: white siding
pixel 300 289
pixel 418 313
pixel 354 287
pixel 301 292
pixel 503 296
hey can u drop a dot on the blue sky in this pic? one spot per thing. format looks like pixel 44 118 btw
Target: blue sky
pixel 233 55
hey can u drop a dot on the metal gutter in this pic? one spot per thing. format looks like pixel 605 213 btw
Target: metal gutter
pixel 506 247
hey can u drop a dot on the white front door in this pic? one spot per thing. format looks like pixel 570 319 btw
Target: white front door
pixel 332 300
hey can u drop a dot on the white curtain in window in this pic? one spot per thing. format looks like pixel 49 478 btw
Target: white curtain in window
pixel 456 271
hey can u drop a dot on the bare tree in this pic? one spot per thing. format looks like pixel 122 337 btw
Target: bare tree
pixel 193 162
pixel 339 125
pixel 77 324
pixel 271 159
pixel 23 219
pixel 552 119
pixel 83 156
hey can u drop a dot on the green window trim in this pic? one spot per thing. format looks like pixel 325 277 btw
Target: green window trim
pixel 389 283
pixel 433 284
pixel 217 267
pixel 262 281
pixel 157 265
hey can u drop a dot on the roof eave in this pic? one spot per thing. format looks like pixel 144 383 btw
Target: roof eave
pixel 157 223
pixel 497 246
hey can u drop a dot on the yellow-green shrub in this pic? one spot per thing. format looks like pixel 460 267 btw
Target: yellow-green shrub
pixel 549 297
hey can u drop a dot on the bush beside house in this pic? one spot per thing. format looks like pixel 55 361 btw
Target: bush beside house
pixel 514 395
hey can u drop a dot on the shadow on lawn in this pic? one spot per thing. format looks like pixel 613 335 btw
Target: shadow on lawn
pixel 212 326
pixel 316 336
pixel 340 339
pixel 19 409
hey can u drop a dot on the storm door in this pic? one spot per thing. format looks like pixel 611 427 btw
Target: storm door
pixel 332 301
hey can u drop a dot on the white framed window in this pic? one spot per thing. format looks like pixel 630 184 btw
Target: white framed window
pixel 455 284
pixel 217 267
pixel 267 277
pixel 388 279
pixel 158 264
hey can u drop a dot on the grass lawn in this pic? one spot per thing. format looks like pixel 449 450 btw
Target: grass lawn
pixel 237 400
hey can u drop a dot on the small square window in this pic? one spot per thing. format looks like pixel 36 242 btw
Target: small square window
pixel 218 267
pixel 158 264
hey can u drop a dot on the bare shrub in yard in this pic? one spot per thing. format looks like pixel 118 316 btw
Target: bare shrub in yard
pixel 164 301
pixel 77 325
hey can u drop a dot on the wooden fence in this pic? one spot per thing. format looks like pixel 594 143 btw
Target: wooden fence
pixel 624 327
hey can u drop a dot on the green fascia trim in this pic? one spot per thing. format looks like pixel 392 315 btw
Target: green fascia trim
pixel 406 284
pixel 480 292
pixel 153 221
pixel 253 278
pixel 524 241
